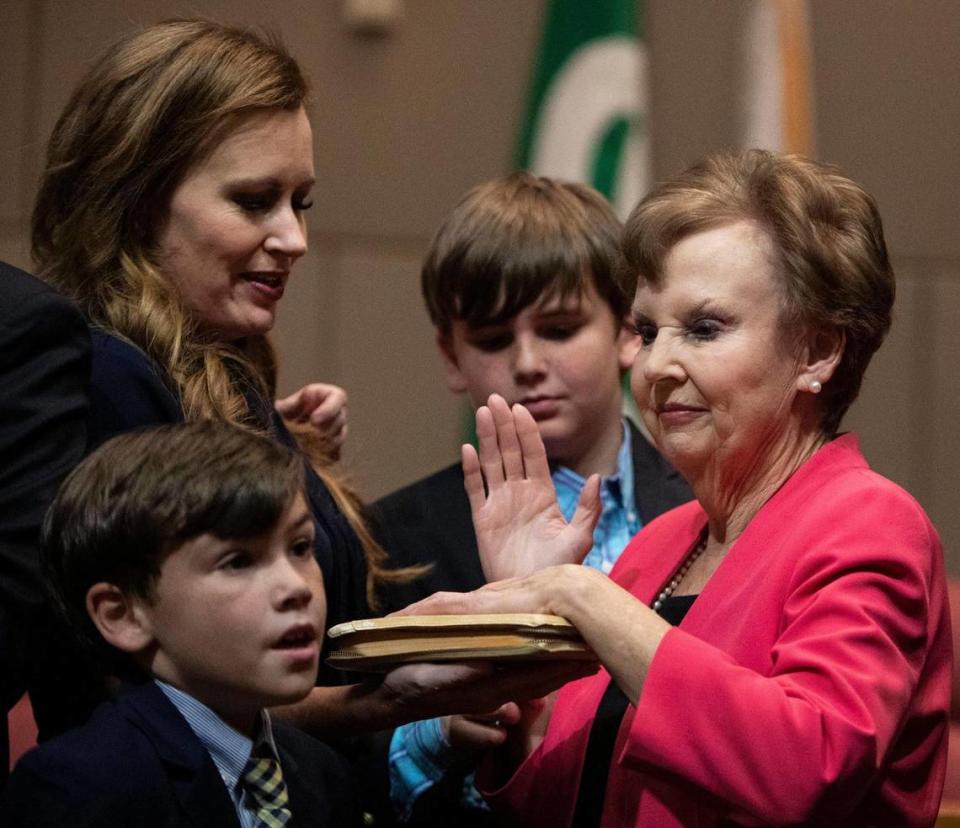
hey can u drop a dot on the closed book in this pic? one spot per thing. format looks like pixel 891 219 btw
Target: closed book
pixel 378 644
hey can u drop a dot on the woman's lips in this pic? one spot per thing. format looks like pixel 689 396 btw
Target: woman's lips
pixel 677 415
pixel 268 285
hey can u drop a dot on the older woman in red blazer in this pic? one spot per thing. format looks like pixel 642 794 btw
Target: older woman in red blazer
pixel 777 652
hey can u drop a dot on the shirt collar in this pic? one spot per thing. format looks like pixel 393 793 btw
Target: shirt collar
pixel 625 469
pixel 228 747
pixel 622 476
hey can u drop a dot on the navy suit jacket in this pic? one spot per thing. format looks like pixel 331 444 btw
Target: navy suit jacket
pixel 137 763
pixel 44 370
pixel 429 522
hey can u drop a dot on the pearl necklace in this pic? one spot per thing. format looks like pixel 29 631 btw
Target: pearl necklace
pixel 667 591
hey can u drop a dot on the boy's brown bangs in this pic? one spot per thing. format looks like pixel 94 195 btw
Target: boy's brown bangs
pixel 242 507
pixel 493 291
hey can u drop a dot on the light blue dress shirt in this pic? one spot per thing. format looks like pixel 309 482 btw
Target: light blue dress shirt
pixel 229 749
pixel 419 753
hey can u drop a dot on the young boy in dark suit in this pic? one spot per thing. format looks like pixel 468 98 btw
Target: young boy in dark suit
pixel 183 555
pixel 521 284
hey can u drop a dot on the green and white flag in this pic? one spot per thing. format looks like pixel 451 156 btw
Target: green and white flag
pixel 587 114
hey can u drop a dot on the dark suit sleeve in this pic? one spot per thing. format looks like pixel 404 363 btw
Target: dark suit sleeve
pixel 135 764
pixel 44 371
pixel 429 522
pixel 45 795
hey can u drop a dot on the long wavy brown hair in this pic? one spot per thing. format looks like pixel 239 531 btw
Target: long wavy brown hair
pixel 148 110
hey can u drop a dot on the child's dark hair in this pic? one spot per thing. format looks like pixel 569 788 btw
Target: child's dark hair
pixel 515 240
pixel 141 495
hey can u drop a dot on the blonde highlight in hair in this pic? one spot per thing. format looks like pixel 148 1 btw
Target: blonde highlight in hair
pixel 152 107
pixel 148 111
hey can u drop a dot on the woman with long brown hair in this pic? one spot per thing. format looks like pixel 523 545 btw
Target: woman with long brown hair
pixel 172 209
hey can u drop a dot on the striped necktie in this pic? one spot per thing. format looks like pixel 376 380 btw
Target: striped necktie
pixel 264 781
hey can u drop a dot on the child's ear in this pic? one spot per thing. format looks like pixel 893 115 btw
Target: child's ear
pixel 119 618
pixel 628 346
pixel 456 382
pixel 822 354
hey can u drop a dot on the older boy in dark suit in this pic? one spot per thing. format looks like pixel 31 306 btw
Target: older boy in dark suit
pixel 184 556
pixel 521 284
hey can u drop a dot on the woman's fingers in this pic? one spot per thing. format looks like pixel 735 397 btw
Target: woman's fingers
pixel 289 407
pixel 472 478
pixel 489 452
pixel 507 440
pixel 587 512
pixel 443 603
pixel 331 414
pixel 428 690
pixel 526 594
pixel 510 444
pixel 321 404
pixel 531 445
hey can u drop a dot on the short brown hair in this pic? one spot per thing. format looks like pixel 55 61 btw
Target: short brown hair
pixel 141 495
pixel 516 239
pixel 825 228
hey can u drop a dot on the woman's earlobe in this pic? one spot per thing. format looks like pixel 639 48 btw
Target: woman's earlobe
pixel 823 357
pixel 118 618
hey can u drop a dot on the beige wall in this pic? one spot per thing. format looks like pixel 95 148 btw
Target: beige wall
pixel 407 123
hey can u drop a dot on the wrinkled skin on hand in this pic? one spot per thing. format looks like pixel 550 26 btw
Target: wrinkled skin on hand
pixel 518 522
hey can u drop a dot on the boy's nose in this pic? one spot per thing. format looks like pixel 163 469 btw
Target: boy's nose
pixel 292 589
pixel 528 361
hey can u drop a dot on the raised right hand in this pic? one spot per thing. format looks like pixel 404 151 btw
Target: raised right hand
pixel 518 522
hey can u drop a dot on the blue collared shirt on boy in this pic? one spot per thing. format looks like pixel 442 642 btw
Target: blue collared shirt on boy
pixel 228 748
pixel 419 752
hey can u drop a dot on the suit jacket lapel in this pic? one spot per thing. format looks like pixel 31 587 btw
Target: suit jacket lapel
pixel 308 807
pixel 193 777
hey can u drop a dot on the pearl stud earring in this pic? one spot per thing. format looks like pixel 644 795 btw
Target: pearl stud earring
pixel 815 387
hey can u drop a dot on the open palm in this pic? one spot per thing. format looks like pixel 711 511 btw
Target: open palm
pixel 518 522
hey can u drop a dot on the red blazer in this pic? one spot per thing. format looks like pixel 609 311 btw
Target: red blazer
pixel 809 683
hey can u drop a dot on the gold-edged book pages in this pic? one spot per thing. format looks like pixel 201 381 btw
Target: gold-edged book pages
pixel 379 644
